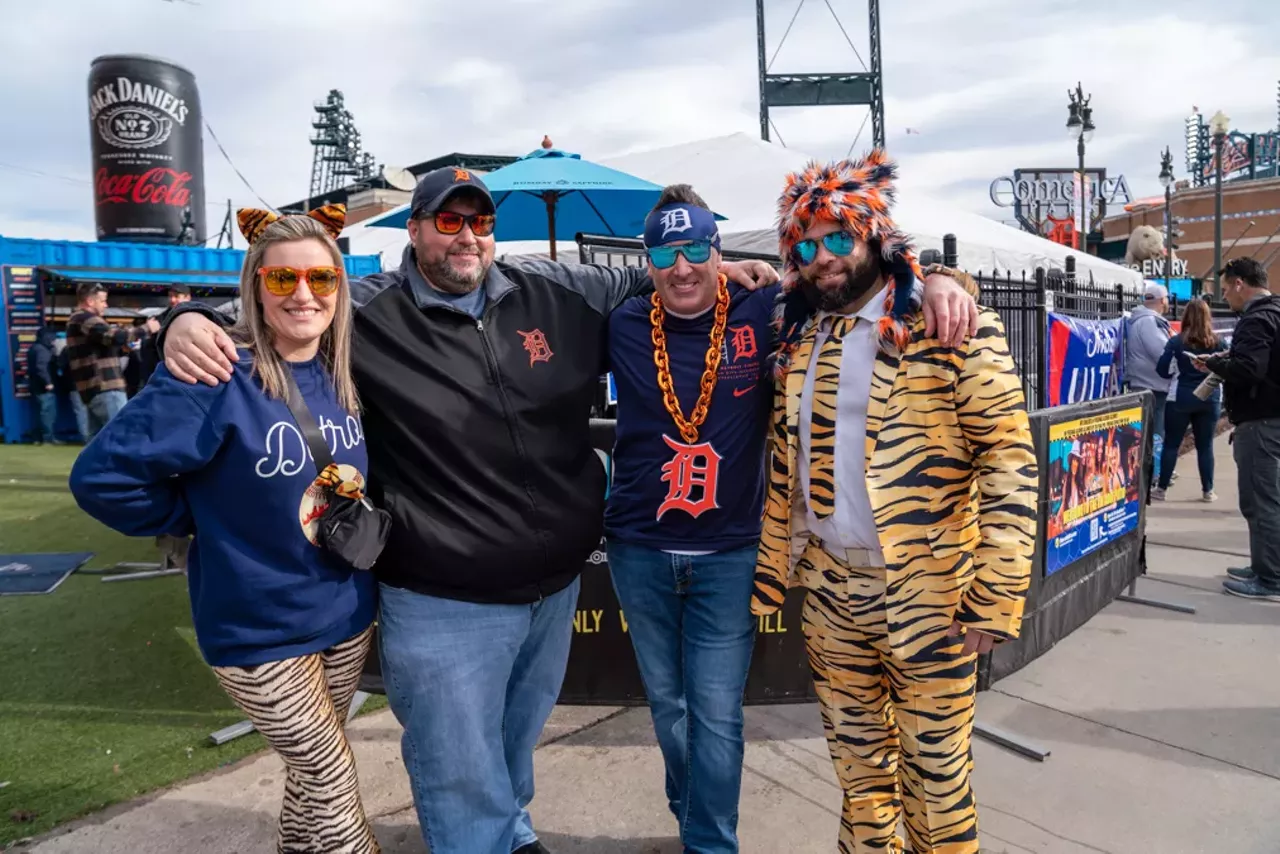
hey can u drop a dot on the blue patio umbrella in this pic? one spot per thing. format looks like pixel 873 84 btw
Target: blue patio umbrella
pixel 556 194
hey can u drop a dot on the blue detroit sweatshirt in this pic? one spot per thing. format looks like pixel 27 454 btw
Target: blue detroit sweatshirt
pixel 705 500
pixel 229 465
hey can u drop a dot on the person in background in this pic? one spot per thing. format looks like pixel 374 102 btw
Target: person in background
pixel 1197 338
pixel 95 350
pixel 1250 372
pixel 1146 333
pixel 285 624
pixel 41 381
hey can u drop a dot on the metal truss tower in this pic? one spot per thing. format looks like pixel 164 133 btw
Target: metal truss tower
pixel 338 159
pixel 809 90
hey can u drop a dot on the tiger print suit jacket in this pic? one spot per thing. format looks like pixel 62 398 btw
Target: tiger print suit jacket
pixel 951 473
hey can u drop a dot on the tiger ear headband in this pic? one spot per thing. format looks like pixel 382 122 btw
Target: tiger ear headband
pixel 254 221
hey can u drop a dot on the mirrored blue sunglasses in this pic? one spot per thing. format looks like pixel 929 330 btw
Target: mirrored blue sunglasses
pixel 837 242
pixel 695 252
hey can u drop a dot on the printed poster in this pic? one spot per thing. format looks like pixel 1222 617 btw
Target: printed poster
pixel 1085 358
pixel 1094 476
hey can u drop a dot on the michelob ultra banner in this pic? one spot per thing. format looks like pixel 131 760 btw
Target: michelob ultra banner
pixel 1085 358
pixel 1094 478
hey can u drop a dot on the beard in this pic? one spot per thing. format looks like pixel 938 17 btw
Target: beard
pixel 442 275
pixel 855 285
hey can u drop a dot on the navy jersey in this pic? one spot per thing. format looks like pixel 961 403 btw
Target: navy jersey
pixel 705 496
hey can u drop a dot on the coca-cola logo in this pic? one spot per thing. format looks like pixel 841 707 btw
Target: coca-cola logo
pixel 134 127
pixel 159 186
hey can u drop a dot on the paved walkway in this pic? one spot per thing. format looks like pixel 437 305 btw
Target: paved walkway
pixel 1164 730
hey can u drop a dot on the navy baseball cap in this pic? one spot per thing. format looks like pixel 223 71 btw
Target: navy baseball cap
pixel 435 188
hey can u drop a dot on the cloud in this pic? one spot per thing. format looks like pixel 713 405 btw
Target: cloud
pixel 984 82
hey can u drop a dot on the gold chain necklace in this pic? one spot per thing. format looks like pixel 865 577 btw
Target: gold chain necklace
pixel 688 427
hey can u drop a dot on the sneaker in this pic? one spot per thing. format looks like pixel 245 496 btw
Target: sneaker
pixel 1252 589
pixel 1173 478
pixel 1157 494
pixel 1209 497
pixel 1241 573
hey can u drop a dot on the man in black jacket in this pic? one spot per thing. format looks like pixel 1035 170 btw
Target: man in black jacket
pixel 41 370
pixel 1251 389
pixel 476 380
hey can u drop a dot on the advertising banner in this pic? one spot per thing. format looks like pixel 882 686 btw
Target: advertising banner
pixel 24 306
pixel 1094 484
pixel 1085 359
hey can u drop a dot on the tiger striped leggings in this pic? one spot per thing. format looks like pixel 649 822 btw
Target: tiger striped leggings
pixel 898 731
pixel 300 706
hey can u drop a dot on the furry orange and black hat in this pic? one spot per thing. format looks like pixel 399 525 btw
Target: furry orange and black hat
pixel 858 196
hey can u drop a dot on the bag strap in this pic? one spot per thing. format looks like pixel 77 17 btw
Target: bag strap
pixel 320 454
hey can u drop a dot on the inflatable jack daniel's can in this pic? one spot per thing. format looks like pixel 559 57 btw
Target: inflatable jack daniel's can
pixel 148 152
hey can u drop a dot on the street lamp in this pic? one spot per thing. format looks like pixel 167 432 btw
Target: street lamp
pixel 1080 128
pixel 1166 181
pixel 1219 125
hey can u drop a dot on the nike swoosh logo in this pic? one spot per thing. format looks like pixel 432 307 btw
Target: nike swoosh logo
pixel 739 392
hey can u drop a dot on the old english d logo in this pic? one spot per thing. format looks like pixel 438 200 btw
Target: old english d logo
pixel 691 476
pixel 535 344
pixel 744 342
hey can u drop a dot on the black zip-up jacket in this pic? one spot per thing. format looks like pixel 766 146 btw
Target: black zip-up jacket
pixel 477 430
pixel 1250 370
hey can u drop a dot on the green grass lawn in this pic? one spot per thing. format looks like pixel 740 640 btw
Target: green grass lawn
pixel 103 694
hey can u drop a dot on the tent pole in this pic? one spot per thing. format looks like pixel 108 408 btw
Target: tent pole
pixel 550 198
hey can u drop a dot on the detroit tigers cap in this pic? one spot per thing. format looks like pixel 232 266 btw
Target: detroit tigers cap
pixel 435 188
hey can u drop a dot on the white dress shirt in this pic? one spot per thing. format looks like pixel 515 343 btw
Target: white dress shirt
pixel 851 525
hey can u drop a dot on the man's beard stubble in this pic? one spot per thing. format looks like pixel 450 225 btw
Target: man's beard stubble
pixel 442 276
pixel 856 284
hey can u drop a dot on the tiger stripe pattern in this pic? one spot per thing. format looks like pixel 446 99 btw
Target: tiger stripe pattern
pixel 300 706
pixel 254 221
pixel 822 427
pixel 898 732
pixel 952 479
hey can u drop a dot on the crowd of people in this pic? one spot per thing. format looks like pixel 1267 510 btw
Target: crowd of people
pixel 1190 375
pixel 856 429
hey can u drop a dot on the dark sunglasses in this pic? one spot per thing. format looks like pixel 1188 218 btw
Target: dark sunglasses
pixel 283 281
pixel 695 252
pixel 448 222
pixel 838 243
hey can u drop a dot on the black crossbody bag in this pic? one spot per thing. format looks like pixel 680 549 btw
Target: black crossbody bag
pixel 354 531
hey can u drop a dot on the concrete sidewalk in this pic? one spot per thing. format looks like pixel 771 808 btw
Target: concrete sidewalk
pixel 1164 730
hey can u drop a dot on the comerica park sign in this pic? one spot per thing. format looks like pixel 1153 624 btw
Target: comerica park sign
pixel 1042 196
pixel 1007 192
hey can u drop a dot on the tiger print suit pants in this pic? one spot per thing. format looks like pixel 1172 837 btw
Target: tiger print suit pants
pixel 898 731
pixel 300 706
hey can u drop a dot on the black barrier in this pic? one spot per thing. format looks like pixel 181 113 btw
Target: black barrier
pixel 1060 600
pixel 602 668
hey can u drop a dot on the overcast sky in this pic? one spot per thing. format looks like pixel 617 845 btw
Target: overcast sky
pixel 982 81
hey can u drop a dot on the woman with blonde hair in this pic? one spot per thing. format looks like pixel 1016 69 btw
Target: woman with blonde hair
pixel 280 613
pixel 1197 338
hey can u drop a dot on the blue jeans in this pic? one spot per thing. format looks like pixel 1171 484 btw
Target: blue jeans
pixel 46 411
pixel 691 625
pixel 472 685
pixel 82 415
pixel 1202 417
pixel 104 406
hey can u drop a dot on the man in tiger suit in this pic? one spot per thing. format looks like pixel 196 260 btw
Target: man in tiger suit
pixel 902 496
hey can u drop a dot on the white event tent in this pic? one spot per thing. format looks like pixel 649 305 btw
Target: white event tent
pixel 740 178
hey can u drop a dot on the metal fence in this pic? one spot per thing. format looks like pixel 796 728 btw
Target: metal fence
pixel 1023 302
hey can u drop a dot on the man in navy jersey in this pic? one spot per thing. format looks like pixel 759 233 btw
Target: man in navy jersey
pixel 684 513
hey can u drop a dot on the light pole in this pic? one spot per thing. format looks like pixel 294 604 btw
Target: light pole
pixel 1218 126
pixel 1166 181
pixel 1080 128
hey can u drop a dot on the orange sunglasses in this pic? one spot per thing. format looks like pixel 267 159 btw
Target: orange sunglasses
pixel 448 222
pixel 283 281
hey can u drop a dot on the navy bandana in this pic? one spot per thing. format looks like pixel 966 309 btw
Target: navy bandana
pixel 678 222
